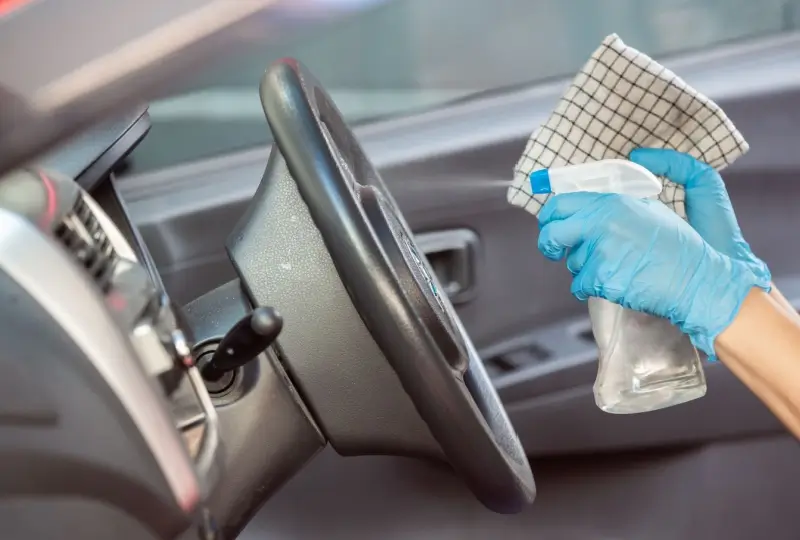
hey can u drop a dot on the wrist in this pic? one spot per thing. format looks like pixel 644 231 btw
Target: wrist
pixel 716 299
pixel 744 253
pixel 727 338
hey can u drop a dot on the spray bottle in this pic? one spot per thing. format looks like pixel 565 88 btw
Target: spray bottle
pixel 645 362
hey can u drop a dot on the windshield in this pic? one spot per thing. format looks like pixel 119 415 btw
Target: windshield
pixel 409 55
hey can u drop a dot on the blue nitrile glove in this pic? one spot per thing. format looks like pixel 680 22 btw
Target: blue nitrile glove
pixel 643 256
pixel 708 206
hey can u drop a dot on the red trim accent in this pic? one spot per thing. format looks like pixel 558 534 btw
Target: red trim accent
pixel 52 200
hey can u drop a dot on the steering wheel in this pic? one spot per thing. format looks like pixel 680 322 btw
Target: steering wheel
pixel 393 288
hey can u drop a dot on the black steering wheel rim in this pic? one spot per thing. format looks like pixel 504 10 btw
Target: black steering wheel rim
pixel 451 392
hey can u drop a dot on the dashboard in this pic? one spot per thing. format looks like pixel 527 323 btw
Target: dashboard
pixel 155 433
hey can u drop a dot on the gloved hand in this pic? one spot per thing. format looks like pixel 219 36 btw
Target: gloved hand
pixel 708 206
pixel 643 256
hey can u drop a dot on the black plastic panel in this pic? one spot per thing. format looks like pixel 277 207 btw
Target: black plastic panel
pixel 90 157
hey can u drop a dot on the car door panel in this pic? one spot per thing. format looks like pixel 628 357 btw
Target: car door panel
pixel 534 338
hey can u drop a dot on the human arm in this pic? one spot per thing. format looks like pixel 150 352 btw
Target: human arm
pixel 762 348
pixel 784 304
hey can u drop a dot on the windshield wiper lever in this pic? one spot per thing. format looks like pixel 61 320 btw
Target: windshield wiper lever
pixel 248 338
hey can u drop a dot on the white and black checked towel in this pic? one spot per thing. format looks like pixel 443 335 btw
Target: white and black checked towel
pixel 622 99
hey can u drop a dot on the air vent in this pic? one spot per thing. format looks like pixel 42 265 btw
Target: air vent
pixel 83 236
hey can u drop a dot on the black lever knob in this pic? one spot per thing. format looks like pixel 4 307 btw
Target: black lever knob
pixel 248 338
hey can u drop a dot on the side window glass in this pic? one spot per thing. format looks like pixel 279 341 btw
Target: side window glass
pixel 409 55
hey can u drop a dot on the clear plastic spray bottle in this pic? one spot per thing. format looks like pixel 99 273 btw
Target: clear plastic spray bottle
pixel 645 363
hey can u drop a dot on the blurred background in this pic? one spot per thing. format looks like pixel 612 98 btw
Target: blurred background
pixel 401 56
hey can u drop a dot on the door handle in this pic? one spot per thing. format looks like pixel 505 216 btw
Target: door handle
pixel 452 255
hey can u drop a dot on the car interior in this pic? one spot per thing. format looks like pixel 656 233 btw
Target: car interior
pixel 262 305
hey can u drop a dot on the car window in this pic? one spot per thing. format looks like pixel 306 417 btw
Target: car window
pixel 408 55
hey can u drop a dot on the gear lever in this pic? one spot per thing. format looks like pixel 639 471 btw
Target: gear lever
pixel 248 338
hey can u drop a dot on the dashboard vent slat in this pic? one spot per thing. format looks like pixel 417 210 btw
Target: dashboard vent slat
pixel 84 238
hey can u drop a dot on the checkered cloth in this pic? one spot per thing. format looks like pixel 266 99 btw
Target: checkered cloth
pixel 622 99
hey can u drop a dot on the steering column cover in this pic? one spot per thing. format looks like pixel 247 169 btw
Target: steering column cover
pixel 331 357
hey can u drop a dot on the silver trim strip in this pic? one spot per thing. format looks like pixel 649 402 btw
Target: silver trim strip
pixel 206 459
pixel 29 258
pixel 210 448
